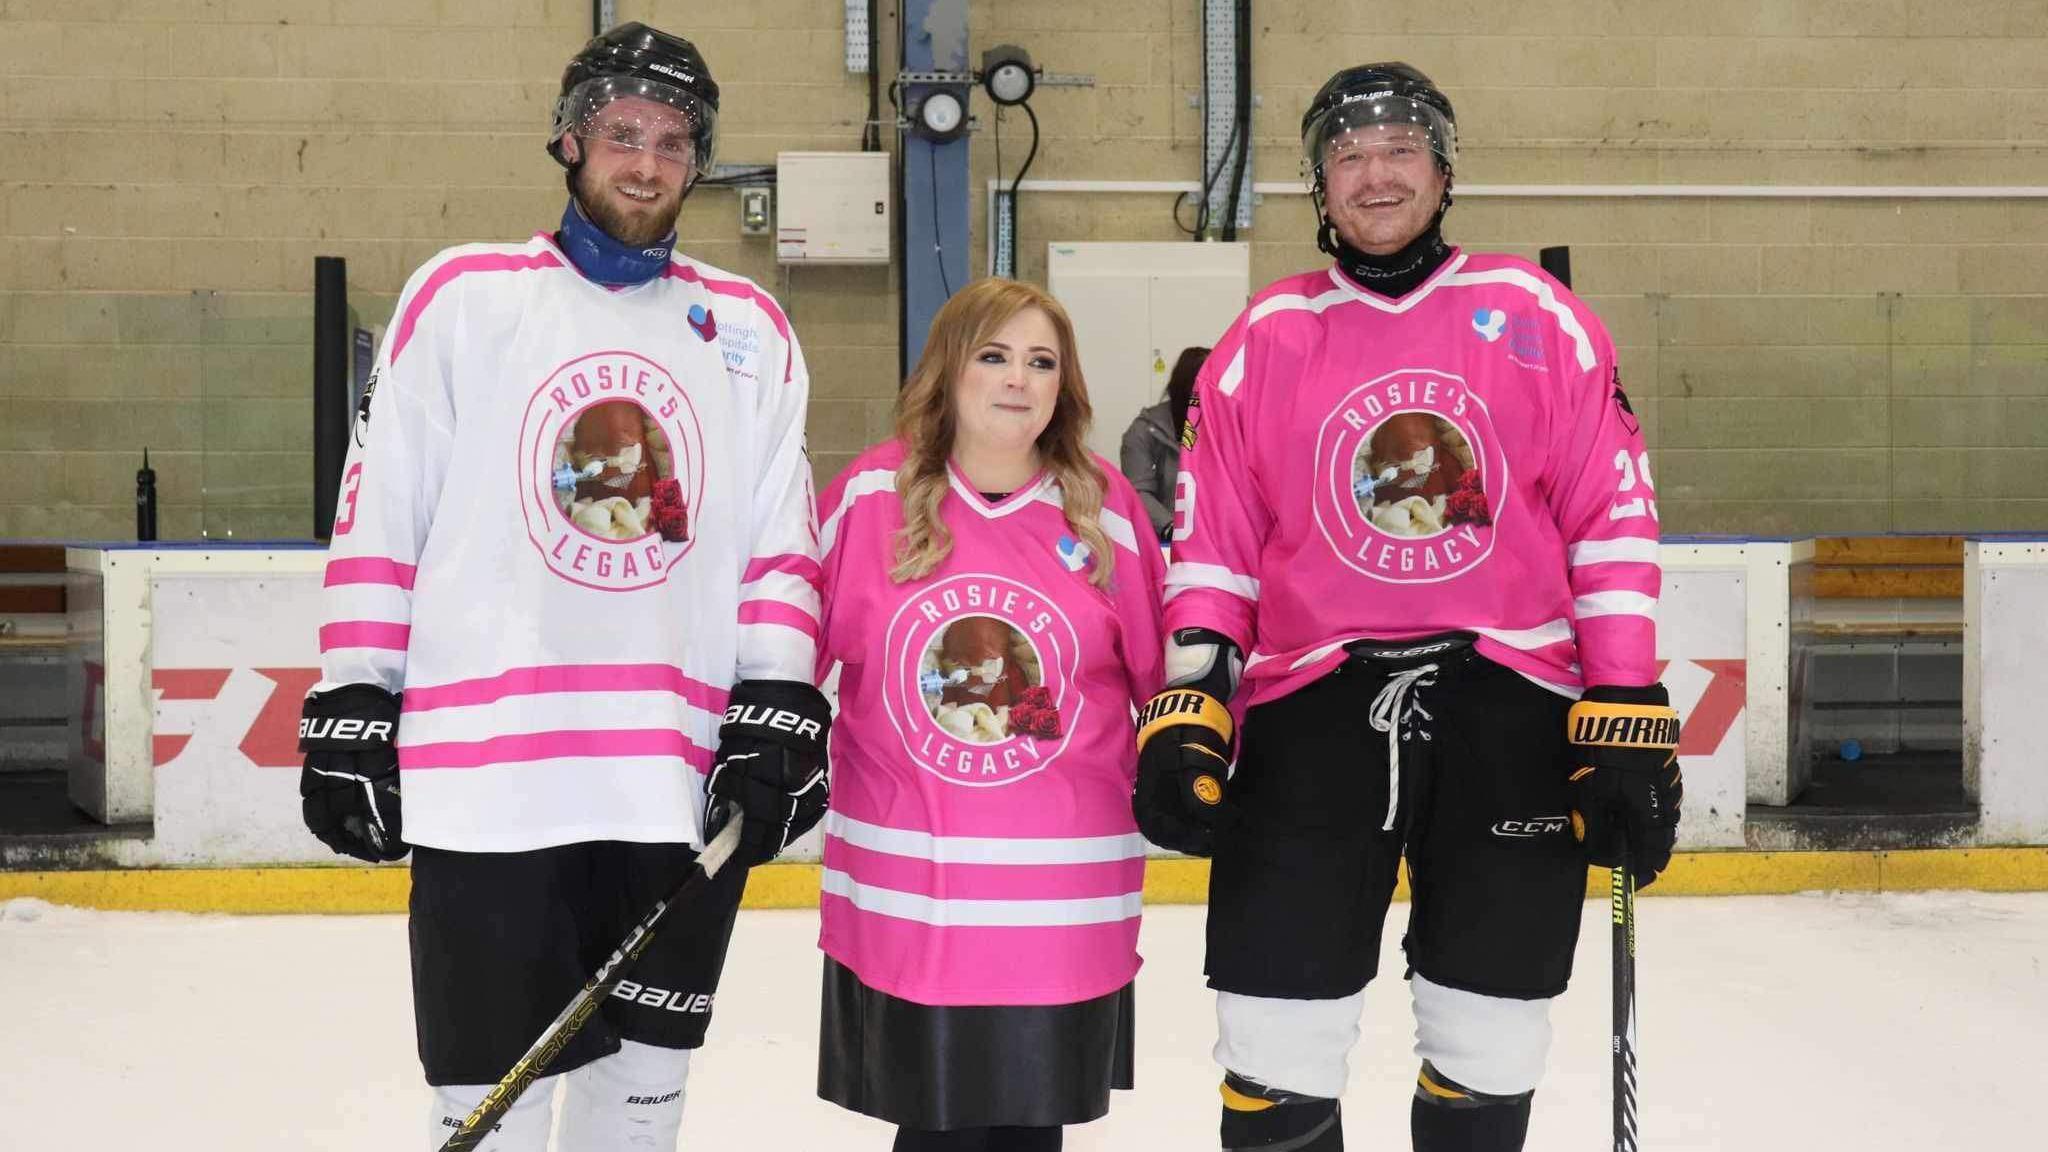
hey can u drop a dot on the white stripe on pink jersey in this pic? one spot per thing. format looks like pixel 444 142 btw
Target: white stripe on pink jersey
pixel 944 913
pixel 866 483
pixel 984 849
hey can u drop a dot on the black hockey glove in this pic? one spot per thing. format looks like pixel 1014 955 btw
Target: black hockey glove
pixel 1625 781
pixel 770 767
pixel 1184 744
pixel 1183 761
pixel 348 790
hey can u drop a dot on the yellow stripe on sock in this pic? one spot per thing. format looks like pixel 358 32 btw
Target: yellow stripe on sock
pixel 1239 1102
pixel 1438 1090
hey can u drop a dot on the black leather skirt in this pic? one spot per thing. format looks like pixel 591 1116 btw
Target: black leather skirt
pixel 973 1066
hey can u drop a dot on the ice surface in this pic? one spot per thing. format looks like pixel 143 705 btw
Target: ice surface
pixel 1894 1023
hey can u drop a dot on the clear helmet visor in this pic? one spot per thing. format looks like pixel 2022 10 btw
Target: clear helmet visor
pixel 1379 121
pixel 628 113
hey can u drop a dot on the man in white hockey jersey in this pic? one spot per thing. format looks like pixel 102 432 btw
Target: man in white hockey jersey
pixel 575 533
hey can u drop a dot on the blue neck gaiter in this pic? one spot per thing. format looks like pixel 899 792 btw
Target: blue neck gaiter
pixel 603 259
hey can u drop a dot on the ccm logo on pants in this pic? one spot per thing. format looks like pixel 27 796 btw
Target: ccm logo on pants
pixel 1540 826
pixel 690 1002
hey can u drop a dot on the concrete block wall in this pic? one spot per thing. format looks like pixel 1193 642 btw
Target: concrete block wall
pixel 173 166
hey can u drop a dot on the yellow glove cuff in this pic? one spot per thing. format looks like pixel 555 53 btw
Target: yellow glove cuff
pixel 1643 727
pixel 1177 706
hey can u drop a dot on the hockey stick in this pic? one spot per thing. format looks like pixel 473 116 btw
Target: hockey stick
pixel 1622 895
pixel 572 1018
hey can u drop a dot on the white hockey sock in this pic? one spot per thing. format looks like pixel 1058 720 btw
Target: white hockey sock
pixel 524 1128
pixel 631 1099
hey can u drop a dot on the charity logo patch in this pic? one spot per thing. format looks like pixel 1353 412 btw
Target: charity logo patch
pixel 1525 342
pixel 981 686
pixel 1074 555
pixel 1410 478
pixel 611 468
pixel 1489 323
pixel 703 323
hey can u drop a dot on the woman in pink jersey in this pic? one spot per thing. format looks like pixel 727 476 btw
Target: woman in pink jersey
pixel 992 598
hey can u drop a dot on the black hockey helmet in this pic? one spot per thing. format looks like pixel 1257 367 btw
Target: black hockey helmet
pixel 1391 93
pixel 636 60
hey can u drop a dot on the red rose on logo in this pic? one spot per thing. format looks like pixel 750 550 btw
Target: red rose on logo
pixel 1034 713
pixel 1467 502
pixel 671 515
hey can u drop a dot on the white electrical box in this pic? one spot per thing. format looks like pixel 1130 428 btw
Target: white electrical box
pixel 1134 307
pixel 832 207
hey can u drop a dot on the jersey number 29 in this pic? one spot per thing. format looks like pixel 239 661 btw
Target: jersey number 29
pixel 1624 507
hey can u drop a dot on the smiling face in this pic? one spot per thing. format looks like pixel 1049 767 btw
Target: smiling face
pixel 638 157
pixel 1003 397
pixel 1382 186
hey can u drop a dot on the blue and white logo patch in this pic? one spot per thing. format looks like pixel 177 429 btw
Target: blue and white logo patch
pixel 1489 323
pixel 1073 554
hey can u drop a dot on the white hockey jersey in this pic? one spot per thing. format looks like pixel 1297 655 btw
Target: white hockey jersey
pixel 571 517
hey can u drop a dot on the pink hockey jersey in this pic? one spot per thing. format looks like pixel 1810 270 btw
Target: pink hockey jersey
pixel 1461 458
pixel 980 847
pixel 570 518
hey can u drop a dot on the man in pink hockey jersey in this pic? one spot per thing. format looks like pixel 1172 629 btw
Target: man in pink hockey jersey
pixel 574 572
pixel 1414 525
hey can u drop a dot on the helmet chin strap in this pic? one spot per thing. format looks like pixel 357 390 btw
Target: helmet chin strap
pixel 1396 273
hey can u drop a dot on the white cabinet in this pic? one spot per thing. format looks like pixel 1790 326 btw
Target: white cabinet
pixel 1135 306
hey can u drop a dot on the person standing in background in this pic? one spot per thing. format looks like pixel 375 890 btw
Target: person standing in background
pixel 1151 448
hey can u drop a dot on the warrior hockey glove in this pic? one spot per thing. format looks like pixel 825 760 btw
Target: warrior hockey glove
pixel 348 790
pixel 1625 781
pixel 770 768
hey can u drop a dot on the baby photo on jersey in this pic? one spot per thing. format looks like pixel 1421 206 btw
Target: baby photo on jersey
pixel 1415 476
pixel 982 680
pixel 614 475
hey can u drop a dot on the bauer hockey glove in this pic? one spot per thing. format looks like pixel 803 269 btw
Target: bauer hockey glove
pixel 1625 783
pixel 770 768
pixel 348 790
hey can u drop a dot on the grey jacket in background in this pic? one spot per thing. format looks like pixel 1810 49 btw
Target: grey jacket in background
pixel 1151 462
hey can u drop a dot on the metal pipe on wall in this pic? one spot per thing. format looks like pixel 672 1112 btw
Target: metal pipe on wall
pixel 331 351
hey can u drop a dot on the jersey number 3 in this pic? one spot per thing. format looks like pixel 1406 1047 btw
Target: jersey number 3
pixel 1624 506
pixel 346 518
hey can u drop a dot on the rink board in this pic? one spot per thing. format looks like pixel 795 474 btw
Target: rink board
pixel 188 665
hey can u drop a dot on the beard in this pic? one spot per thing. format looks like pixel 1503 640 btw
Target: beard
pixel 652 223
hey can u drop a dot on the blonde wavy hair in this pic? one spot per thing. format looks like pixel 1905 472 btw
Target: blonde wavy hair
pixel 925 422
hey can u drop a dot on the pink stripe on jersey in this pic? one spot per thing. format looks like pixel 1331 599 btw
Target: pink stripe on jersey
pixel 481 262
pixel 776 612
pixel 738 290
pixel 368 570
pixel 529 746
pixel 566 678
pixel 792 563
pixel 364 634
pixel 988 881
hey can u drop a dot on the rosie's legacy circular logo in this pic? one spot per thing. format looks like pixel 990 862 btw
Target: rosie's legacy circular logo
pixel 611 469
pixel 980 679
pixel 1410 478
